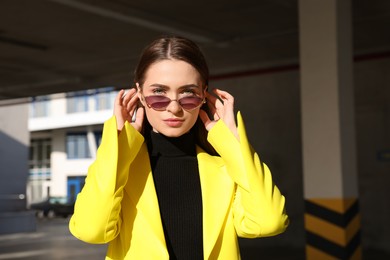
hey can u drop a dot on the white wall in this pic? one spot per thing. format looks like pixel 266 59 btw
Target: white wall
pixel 62 167
pixel 57 123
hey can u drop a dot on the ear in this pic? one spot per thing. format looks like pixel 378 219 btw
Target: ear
pixel 139 94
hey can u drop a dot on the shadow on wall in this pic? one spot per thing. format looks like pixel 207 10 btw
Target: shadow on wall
pixel 13 178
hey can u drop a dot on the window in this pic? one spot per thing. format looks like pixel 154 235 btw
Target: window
pixel 75 185
pixel 39 106
pixel 77 146
pixel 40 151
pixel 104 98
pixel 77 101
pixel 98 138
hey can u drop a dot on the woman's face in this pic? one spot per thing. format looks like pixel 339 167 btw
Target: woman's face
pixel 174 79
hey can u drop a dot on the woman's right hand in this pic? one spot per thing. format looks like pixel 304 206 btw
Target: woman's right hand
pixel 124 108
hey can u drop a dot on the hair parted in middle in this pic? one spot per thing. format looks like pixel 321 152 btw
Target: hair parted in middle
pixel 172 48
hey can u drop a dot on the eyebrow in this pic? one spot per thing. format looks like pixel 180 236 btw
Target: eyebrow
pixel 181 87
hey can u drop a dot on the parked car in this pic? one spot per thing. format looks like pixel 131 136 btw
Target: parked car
pixel 53 206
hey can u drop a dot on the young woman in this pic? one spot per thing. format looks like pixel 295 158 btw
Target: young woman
pixel 172 181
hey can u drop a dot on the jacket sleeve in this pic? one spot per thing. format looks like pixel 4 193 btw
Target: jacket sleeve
pixel 97 214
pixel 259 207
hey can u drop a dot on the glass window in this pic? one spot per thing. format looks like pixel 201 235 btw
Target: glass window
pixel 98 138
pixel 40 151
pixel 77 146
pixel 39 106
pixel 77 101
pixel 104 98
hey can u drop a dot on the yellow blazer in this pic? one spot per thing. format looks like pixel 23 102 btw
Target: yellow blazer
pixel 118 204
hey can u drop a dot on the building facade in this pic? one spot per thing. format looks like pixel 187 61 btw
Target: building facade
pixel 65 131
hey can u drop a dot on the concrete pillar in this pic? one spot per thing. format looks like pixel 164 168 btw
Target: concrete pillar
pixel 332 220
pixel 14 143
pixel 92 146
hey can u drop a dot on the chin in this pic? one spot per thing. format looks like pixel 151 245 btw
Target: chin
pixel 172 131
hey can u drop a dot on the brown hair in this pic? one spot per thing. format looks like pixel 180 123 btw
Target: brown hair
pixel 177 48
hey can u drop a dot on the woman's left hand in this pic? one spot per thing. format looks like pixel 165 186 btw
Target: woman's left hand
pixel 221 109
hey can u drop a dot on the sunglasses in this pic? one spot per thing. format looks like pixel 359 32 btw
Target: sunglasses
pixel 160 103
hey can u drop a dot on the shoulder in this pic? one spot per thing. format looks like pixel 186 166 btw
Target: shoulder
pixel 204 157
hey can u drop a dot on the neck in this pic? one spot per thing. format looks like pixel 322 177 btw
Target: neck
pixel 160 144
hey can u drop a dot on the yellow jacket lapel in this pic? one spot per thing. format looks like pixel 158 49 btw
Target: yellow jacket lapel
pixel 142 192
pixel 217 189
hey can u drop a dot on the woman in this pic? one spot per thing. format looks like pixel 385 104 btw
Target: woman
pixel 172 181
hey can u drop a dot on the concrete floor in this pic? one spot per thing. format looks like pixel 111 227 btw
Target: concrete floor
pixel 53 241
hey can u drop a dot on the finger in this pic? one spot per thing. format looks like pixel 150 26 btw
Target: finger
pixel 212 111
pixel 131 112
pixel 127 97
pixel 219 102
pixel 216 107
pixel 139 117
pixel 214 97
pixel 118 98
pixel 132 103
pixel 212 102
pixel 224 96
pixel 220 91
pixel 205 119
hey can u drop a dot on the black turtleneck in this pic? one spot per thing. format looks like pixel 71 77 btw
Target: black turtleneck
pixel 176 177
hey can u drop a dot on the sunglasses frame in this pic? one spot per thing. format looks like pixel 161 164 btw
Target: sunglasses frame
pixel 202 101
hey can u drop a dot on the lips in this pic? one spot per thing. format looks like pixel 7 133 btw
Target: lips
pixel 174 122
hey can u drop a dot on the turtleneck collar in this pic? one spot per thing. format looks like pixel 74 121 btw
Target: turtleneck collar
pixel 172 146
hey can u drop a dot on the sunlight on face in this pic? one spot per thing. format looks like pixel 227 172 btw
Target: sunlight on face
pixel 174 79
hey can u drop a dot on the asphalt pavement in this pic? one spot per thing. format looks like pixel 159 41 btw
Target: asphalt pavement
pixel 53 241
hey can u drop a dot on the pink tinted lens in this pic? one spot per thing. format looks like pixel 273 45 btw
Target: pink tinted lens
pixel 189 103
pixel 158 102
pixel 161 102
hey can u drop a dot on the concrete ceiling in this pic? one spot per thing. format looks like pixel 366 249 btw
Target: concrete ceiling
pixel 50 46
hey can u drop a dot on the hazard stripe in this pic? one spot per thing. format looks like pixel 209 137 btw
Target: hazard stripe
pixel 331 232
pixel 332 229
pixel 331 215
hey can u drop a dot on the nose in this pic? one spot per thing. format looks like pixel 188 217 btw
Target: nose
pixel 174 106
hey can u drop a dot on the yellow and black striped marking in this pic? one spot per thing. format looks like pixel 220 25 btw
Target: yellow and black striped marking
pixel 332 229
